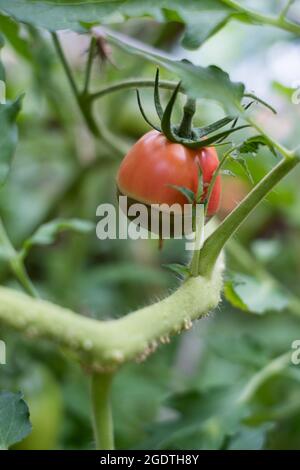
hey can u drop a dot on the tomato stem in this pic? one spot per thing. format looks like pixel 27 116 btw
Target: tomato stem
pixel 215 175
pixel 199 238
pixel 275 367
pixel 215 243
pixel 85 106
pixel 89 64
pixel 133 83
pixel 15 263
pixel 185 128
pixel 102 412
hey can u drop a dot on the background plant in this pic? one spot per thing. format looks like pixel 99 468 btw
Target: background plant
pixel 65 163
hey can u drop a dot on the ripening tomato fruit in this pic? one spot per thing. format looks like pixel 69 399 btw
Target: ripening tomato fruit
pixel 154 163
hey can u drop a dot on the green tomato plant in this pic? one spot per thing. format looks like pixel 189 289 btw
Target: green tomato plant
pixel 103 347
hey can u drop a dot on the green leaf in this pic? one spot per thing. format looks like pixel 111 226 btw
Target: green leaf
pixel 125 272
pixel 250 438
pixel 201 82
pixel 178 268
pixel 188 193
pixel 14 419
pixel 8 135
pixel 11 30
pixel 203 131
pixel 166 124
pixel 47 233
pixel 198 420
pixel 2 70
pixel 266 250
pixel 206 21
pixel 157 102
pixel 143 112
pixel 200 188
pixel 243 163
pixel 255 295
pixel 202 18
pixel 253 144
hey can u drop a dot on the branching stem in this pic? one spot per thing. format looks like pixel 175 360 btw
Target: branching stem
pixel 15 262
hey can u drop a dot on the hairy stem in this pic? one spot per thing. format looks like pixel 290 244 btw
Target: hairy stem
pixel 102 412
pixel 215 243
pixel 106 345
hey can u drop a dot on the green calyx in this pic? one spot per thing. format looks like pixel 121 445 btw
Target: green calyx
pixel 185 133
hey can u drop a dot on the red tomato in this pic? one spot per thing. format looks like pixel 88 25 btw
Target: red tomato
pixel 154 163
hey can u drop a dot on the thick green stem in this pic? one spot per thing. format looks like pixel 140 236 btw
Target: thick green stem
pixel 102 412
pixel 185 128
pixel 215 243
pixel 106 345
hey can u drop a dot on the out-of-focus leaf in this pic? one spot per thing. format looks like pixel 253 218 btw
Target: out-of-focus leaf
pixel 200 82
pixel 198 420
pixel 245 350
pixel 177 268
pixel 187 193
pixel 202 18
pixel 8 135
pixel 127 272
pixel 255 295
pixel 227 172
pixel 284 90
pixel 253 144
pixel 207 19
pixel 11 30
pixel 250 438
pixel 47 233
pixel 266 250
pixel 14 419
pixel 2 70
pixel 243 163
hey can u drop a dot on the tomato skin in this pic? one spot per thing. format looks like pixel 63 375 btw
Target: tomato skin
pixel 154 163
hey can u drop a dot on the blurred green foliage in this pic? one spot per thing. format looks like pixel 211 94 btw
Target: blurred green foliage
pixel 185 396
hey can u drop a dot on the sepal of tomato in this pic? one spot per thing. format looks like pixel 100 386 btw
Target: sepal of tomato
pixel 154 164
